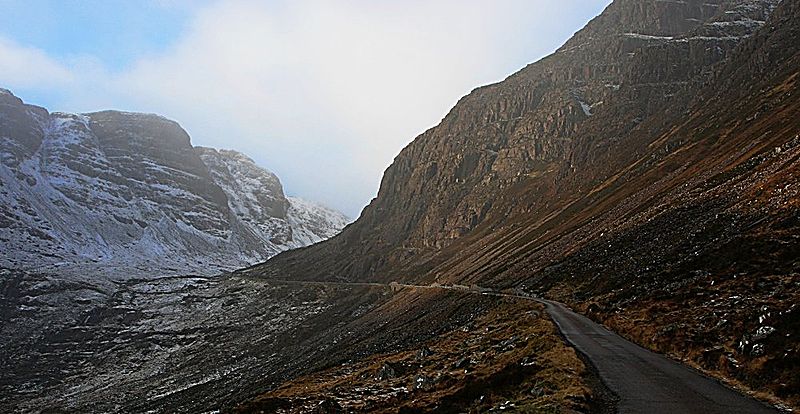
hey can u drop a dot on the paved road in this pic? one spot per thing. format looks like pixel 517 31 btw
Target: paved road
pixel 644 381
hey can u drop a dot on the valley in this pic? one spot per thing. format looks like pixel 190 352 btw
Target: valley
pixel 362 346
pixel 613 228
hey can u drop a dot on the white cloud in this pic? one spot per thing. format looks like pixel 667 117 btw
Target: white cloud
pixel 26 67
pixel 323 93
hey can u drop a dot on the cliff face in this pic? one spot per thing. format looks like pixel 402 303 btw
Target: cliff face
pixel 126 194
pixel 539 125
pixel 623 66
pixel 648 173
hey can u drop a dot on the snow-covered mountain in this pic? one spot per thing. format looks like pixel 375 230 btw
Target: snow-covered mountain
pixel 126 194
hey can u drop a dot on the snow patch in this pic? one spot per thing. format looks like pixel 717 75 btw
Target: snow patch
pixel 587 109
pixel 80 211
pixel 646 36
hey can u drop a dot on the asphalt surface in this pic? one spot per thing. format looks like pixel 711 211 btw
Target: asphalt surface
pixel 644 381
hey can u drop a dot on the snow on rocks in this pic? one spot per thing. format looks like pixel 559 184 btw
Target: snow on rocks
pixel 124 194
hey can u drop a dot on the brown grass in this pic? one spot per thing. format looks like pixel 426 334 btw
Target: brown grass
pixel 512 356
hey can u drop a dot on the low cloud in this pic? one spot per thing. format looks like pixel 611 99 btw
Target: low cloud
pixel 323 93
pixel 27 67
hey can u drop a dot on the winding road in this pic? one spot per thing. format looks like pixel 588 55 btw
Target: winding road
pixel 645 381
pixel 642 380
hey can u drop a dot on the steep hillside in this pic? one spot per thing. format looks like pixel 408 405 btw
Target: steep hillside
pixel 683 235
pixel 126 194
pixel 621 70
pixel 646 172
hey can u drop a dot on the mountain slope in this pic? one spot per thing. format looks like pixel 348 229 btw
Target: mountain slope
pixel 126 194
pixel 649 164
pixel 525 129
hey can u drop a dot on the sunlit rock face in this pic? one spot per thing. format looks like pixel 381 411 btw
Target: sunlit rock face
pixel 126 194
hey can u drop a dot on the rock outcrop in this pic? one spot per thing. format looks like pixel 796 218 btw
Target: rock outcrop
pixel 126 194
pixel 545 125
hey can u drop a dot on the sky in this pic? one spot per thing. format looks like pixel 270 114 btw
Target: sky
pixel 322 93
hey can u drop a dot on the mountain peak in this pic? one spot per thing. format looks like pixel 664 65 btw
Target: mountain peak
pixel 227 153
pixel 9 97
pixel 116 189
pixel 131 116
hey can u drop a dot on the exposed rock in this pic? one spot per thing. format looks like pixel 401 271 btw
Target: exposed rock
pixel 530 130
pixel 763 332
pixel 422 382
pixel 528 361
pixel 184 344
pixel 424 352
pixel 385 372
pixel 126 194
pixel 654 153
pixel 462 363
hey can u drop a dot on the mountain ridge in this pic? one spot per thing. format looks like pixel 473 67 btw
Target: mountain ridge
pixel 651 167
pixel 126 193
pixel 521 130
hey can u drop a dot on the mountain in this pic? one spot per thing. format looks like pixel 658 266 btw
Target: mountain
pixel 544 125
pixel 646 173
pixel 126 194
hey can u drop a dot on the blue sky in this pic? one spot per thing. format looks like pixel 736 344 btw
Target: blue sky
pixel 323 93
pixel 116 31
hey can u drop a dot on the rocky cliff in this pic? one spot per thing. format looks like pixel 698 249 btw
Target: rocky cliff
pixel 127 194
pixel 646 172
pixel 549 121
